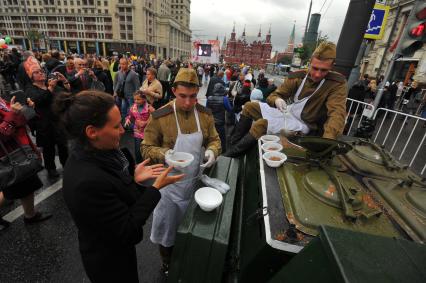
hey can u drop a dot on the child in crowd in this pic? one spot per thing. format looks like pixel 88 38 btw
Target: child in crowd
pixel 138 116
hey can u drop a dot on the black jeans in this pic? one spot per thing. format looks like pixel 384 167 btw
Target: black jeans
pixel 49 152
pixel 138 155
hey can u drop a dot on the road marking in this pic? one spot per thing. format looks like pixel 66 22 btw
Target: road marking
pixel 19 211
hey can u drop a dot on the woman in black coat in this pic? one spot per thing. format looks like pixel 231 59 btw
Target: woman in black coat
pixel 101 187
pixel 48 135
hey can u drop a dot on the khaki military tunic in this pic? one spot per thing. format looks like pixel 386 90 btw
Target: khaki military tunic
pixel 161 131
pixel 324 112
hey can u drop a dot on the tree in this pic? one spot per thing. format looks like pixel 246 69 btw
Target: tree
pixel 286 60
pixel 34 35
pixel 309 48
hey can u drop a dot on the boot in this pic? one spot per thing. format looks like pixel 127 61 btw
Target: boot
pixel 242 146
pixel 241 129
pixel 166 256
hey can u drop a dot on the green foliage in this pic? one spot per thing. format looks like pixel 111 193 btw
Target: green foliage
pixel 34 35
pixel 309 48
pixel 286 60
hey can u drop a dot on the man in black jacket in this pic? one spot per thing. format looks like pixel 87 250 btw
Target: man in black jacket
pixel 54 64
pixel 213 81
pixel 82 77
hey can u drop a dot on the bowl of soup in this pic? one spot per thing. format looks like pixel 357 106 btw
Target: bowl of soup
pixel 179 159
pixel 269 138
pixel 208 198
pixel 274 158
pixel 271 146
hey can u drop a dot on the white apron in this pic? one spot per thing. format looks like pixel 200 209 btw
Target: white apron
pixel 175 198
pixel 291 119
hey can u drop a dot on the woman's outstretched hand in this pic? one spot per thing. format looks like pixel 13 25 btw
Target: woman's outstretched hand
pixel 143 172
pixel 164 180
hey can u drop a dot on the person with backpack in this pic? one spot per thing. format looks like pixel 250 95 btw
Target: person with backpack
pixel 218 102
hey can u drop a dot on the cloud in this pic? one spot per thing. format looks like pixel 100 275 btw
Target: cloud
pixel 216 18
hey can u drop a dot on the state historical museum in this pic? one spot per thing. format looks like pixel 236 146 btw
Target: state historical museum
pixel 256 54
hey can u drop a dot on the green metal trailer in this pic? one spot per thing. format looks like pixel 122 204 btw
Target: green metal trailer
pixel 271 214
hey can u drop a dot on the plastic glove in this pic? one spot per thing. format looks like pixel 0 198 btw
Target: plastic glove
pixel 169 152
pixel 209 156
pixel 280 104
pixel 214 183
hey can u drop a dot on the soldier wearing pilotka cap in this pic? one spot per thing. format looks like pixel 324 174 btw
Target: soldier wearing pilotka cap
pixel 181 125
pixel 309 102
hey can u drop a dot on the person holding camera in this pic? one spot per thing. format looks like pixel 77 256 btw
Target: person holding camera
pixel 82 78
pixel 48 135
pixel 126 82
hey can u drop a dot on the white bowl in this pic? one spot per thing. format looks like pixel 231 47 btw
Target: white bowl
pixel 269 138
pixel 271 146
pixel 271 163
pixel 179 159
pixel 208 198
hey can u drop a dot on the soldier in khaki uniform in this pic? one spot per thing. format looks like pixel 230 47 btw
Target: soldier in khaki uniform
pixel 317 105
pixel 181 125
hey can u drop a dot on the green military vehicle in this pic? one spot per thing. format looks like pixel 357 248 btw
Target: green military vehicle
pixel 272 214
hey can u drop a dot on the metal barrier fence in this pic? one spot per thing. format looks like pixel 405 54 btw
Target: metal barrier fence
pixel 402 134
pixel 357 111
pixel 409 125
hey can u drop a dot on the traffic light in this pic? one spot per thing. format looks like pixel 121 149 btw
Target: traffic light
pixel 416 30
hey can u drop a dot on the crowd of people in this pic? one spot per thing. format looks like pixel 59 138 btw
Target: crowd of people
pixel 78 107
pixel 407 98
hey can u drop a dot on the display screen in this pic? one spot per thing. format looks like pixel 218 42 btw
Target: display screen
pixel 204 50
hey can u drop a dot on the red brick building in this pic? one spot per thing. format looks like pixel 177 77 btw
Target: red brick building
pixel 256 54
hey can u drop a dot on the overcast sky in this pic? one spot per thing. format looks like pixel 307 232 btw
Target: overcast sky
pixel 210 18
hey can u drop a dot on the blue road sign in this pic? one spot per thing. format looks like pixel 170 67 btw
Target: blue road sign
pixel 377 24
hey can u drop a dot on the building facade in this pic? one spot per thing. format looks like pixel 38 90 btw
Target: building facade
pixel 255 54
pixel 146 27
pixel 379 52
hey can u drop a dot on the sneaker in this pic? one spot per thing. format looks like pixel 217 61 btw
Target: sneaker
pixel 38 217
pixel 52 173
pixel 165 269
pixel 4 224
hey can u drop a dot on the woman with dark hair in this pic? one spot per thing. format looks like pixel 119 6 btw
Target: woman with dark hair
pixel 242 97
pixel 263 86
pixel 102 188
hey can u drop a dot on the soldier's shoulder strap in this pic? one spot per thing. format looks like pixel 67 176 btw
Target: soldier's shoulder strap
pixel 335 76
pixel 204 109
pixel 297 74
pixel 163 111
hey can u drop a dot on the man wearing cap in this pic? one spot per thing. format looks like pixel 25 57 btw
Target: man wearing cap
pixel 182 125
pixel 317 105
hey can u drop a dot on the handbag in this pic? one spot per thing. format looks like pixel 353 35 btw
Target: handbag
pixel 120 91
pixel 18 165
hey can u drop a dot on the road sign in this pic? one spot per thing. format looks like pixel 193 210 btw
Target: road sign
pixel 377 24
